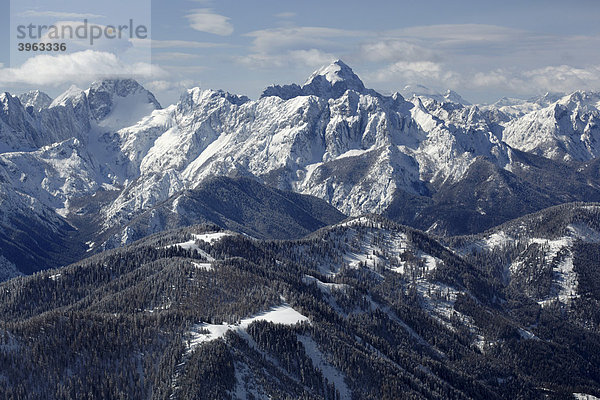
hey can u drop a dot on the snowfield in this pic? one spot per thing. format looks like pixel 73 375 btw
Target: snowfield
pixel 283 314
pixel 325 287
pixel 205 237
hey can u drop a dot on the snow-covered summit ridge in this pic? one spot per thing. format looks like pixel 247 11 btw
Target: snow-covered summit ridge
pixel 103 94
pixel 334 73
pixel 331 81
pixel 422 91
pixel 118 103
pixel 36 99
pixel 71 95
pixel 565 129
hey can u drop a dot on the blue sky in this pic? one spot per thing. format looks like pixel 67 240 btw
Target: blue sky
pixel 483 50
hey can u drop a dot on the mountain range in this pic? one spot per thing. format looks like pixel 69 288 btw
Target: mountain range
pixel 324 241
pixel 462 168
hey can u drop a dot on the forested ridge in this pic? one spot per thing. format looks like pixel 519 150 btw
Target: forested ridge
pixel 392 312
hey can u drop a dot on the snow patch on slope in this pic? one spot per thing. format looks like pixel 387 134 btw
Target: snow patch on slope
pixel 283 314
pixel 325 287
pixel 557 251
pixel 205 237
pixel 583 396
pixel 127 111
pixel 203 266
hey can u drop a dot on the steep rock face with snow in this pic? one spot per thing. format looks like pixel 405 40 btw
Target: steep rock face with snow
pixel 54 152
pixel 74 153
pixel 331 138
pixel 35 99
pixel 117 103
pixel 17 127
pixel 567 129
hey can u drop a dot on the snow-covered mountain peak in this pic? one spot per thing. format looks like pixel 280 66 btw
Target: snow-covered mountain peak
pixel 104 97
pixel 6 99
pixel 454 97
pixel 197 95
pixel 338 71
pixel 581 99
pixel 125 96
pixel 120 87
pixel 329 82
pixel 72 94
pixel 36 99
pixel 422 91
pixel 566 129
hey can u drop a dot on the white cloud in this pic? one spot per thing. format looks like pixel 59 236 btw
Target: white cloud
pixel 164 85
pixel 454 33
pixel 309 58
pixel 414 72
pixel 483 58
pixel 55 70
pixel 182 70
pixel 58 14
pixel 299 38
pixel 393 49
pixel 561 78
pixel 205 20
pixel 296 46
pixel 565 77
pixel 496 78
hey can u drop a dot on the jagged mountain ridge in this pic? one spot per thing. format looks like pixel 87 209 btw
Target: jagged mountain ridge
pixel 424 92
pixel 356 150
pixel 567 129
pixel 394 143
pixel 331 138
pixel 35 99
